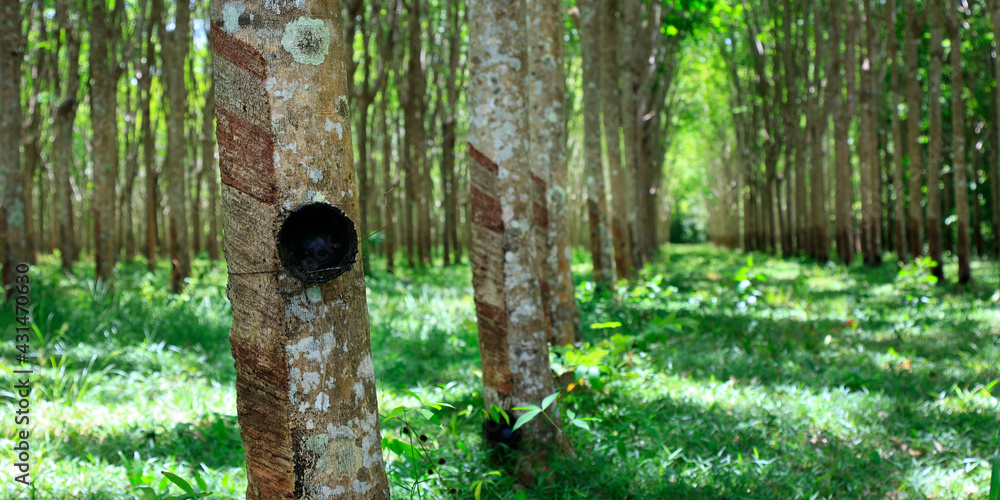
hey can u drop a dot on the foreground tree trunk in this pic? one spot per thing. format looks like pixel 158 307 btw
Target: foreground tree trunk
pixel 305 379
pixel 547 158
pixel 512 343
pixel 12 193
pixel 995 17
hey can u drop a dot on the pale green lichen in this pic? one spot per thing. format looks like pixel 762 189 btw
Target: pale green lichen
pixel 231 17
pixel 308 40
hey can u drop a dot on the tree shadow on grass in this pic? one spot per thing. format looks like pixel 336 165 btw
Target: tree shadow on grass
pixel 669 447
pixel 214 441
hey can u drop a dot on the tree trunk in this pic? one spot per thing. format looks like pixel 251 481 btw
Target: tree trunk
pixel 631 58
pixel 867 138
pixel 936 142
pixel 174 55
pixel 995 170
pixel 103 96
pixel 892 51
pixel 963 248
pixel 305 379
pixel 611 112
pixel 415 133
pixel 208 165
pixel 820 246
pixel 62 142
pixel 597 205
pixel 512 344
pixel 547 161
pixel 914 94
pixel 841 126
pixel 12 194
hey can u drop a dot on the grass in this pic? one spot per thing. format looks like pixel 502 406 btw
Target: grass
pixel 797 380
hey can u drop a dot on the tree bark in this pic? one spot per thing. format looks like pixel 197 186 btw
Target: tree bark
pixel 963 247
pixel 548 165
pixel 208 165
pixel 892 51
pixel 11 54
pixel 995 170
pixel 611 112
pixel 305 379
pixel 597 205
pixel 819 244
pixel 914 94
pixel 174 54
pixel 844 193
pixel 103 97
pixel 148 140
pixel 62 142
pixel 512 344
pixel 868 139
pixel 936 142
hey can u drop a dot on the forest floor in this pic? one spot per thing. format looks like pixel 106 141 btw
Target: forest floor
pixel 711 376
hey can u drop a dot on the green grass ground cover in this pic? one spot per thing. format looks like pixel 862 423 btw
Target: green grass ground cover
pixel 711 378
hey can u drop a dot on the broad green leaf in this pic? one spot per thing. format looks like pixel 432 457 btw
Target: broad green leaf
pixel 525 418
pixel 548 400
pixel 184 485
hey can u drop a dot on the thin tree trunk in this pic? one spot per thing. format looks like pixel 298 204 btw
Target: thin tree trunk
pixel 935 143
pixel 914 94
pixel 208 165
pixel 62 142
pixel 512 344
pixel 103 106
pixel 959 166
pixel 867 137
pixel 305 379
pixel 892 52
pixel 844 193
pixel 820 246
pixel 174 55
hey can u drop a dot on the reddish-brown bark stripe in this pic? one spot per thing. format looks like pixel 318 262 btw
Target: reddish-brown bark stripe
pixel 539 182
pixel 239 53
pixel 486 211
pixel 482 159
pixel 541 216
pixel 246 156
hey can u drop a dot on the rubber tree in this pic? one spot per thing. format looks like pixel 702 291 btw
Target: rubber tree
pixel 511 320
pixel 13 223
pixel 305 380
pixel 547 124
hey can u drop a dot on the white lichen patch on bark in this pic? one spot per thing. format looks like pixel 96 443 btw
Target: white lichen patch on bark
pixel 307 40
pixel 231 16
